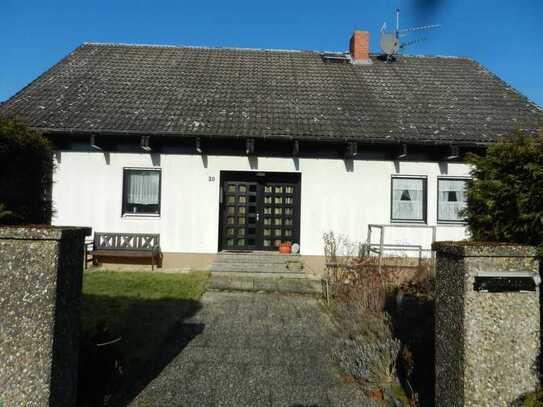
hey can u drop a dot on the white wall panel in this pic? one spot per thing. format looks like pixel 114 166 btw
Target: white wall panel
pixel 88 192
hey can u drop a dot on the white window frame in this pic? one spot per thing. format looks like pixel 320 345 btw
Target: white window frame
pixel 459 222
pixel 424 180
pixel 123 193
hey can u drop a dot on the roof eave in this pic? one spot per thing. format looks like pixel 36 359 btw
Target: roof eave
pixel 311 138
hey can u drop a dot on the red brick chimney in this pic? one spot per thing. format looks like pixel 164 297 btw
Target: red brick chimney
pixel 360 47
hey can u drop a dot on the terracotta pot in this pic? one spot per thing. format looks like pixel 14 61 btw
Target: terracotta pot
pixel 285 247
pixel 376 394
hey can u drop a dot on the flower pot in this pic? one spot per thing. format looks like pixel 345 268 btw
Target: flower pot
pixel 376 394
pixel 285 247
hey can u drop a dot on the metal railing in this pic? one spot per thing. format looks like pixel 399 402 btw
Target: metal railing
pixel 380 247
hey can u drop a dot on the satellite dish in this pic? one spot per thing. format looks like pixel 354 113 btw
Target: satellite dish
pixel 390 43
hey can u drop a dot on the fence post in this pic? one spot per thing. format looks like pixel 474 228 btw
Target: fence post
pixel 487 323
pixel 40 292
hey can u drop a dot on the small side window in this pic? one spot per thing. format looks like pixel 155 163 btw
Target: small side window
pixel 141 192
pixel 451 199
pixel 408 199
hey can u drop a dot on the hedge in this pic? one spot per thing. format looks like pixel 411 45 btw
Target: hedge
pixel 25 174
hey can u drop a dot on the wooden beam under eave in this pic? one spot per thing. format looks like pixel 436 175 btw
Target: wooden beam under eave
pixel 295 148
pixel 351 150
pixel 250 146
pixel 144 143
pixel 454 153
pixel 93 143
pixel 403 152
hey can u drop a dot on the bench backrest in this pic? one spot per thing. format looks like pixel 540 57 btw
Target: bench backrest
pixel 126 241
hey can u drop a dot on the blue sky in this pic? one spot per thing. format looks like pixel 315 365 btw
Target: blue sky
pixel 505 36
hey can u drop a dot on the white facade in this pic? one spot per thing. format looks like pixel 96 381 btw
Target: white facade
pixel 335 196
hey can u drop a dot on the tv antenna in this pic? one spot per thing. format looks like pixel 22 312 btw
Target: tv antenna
pixel 391 43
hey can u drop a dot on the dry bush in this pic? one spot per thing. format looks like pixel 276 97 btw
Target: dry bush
pixel 348 280
pixel 366 288
pixel 354 276
pixel 370 343
pixel 367 351
pixel 422 286
pixel 340 251
pixel 371 362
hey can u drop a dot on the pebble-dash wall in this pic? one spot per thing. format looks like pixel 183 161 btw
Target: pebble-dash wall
pixel 40 291
pixel 487 343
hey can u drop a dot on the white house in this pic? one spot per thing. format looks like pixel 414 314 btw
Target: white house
pixel 240 149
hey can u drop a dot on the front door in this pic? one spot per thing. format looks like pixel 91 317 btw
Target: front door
pixel 259 210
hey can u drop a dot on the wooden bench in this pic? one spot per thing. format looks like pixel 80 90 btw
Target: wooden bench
pixel 132 246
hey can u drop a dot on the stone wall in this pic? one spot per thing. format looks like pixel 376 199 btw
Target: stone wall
pixel 40 291
pixel 487 343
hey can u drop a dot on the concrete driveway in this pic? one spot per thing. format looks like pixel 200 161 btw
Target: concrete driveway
pixel 255 349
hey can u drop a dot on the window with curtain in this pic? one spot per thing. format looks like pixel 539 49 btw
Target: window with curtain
pixel 141 192
pixel 451 199
pixel 408 199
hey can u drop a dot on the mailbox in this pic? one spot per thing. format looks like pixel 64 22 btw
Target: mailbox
pixel 499 282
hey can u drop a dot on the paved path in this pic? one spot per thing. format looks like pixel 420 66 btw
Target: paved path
pixel 255 350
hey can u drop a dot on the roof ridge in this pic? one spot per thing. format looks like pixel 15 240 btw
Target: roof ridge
pixel 434 56
pixel 219 48
pixel 123 44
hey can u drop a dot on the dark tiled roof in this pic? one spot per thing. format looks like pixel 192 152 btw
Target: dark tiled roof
pixel 262 93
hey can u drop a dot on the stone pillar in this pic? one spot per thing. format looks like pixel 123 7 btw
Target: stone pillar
pixel 487 329
pixel 40 291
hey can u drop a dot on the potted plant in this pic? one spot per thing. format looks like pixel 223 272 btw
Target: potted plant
pixel 285 247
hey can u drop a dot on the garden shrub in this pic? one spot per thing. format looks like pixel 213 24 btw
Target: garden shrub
pixel 371 363
pixel 505 196
pixel 385 321
pixel 25 174
pixel 367 288
pixel 367 350
pixel 348 280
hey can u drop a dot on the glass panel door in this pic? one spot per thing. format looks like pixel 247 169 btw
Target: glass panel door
pixel 240 215
pixel 259 211
pixel 277 214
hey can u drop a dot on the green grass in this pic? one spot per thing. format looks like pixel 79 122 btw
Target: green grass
pixel 141 307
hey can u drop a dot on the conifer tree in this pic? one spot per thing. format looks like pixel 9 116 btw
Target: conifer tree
pixel 505 196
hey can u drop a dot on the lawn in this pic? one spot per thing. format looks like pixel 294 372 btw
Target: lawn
pixel 146 309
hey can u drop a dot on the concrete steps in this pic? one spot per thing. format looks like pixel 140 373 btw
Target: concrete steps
pixel 259 263
pixel 261 271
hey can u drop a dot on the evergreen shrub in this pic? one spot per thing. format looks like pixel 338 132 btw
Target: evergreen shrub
pixel 25 174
